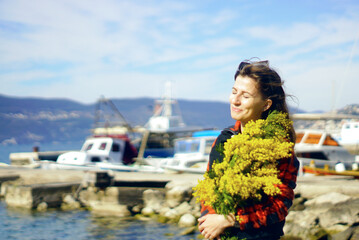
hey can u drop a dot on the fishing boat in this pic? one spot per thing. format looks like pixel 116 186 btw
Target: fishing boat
pixel 319 148
pixel 163 128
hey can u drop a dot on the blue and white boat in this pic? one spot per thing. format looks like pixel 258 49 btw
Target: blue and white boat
pixel 191 153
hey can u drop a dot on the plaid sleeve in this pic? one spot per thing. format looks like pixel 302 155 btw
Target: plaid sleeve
pixel 275 208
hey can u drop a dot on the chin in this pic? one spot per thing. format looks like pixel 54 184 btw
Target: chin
pixel 236 117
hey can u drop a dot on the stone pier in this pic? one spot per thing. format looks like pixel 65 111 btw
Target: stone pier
pixel 325 207
pixel 31 196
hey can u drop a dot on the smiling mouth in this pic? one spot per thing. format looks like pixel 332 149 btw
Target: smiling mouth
pixel 234 109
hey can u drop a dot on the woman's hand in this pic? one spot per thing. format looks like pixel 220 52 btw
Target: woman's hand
pixel 212 225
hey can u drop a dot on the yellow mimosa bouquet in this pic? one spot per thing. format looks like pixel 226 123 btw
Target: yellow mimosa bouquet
pixel 248 171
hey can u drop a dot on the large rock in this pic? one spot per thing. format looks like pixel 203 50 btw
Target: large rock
pixel 187 220
pixel 42 207
pixel 70 203
pixel 183 208
pixel 329 213
pixel 110 209
pixel 303 224
pixel 164 210
pixel 298 204
pixel 327 200
pixel 154 199
pixel 351 233
pixel 171 214
pixel 303 219
pixel 89 195
pixel 147 211
pixel 177 193
pixel 344 213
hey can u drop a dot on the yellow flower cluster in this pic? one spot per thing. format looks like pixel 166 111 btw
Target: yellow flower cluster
pixel 249 167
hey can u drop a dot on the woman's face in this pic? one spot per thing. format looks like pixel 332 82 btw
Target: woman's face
pixel 246 100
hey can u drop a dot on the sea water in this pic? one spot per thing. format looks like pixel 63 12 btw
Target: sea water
pixel 55 224
pixel 34 225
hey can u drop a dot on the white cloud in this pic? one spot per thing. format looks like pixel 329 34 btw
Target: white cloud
pixel 120 48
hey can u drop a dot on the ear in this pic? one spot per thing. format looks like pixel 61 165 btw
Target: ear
pixel 267 104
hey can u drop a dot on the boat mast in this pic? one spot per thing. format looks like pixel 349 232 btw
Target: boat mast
pixel 107 116
pixel 164 117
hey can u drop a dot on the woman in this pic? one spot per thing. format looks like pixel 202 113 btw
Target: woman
pixel 256 92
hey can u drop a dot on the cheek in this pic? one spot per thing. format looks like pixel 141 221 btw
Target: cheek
pixel 259 107
pixel 230 98
pixel 247 102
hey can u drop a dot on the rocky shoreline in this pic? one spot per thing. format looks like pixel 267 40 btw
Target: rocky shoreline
pixel 324 207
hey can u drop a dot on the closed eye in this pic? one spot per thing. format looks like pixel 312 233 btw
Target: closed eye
pixel 246 95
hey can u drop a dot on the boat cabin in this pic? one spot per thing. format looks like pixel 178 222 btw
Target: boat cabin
pixel 100 149
pixel 193 150
pixel 350 133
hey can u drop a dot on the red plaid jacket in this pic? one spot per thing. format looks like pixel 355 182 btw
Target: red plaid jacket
pixel 275 208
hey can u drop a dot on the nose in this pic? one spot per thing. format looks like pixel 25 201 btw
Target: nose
pixel 236 99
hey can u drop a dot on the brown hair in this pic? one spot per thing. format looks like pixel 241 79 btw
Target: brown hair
pixel 270 85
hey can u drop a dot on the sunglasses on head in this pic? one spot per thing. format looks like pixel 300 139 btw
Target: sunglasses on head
pixel 245 63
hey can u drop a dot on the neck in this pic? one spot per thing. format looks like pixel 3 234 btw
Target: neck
pixel 242 125
pixel 239 125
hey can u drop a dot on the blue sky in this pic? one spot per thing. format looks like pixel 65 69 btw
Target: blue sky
pixel 84 49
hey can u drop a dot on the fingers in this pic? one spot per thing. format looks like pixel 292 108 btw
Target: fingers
pixel 206 233
pixel 202 219
pixel 200 228
pixel 211 236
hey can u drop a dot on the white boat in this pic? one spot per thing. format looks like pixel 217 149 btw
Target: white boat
pixel 166 116
pixel 105 153
pixel 163 127
pixel 191 153
pixel 320 148
pixel 349 134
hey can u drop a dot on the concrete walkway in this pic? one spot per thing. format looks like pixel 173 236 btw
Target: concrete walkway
pixel 34 176
pixel 307 186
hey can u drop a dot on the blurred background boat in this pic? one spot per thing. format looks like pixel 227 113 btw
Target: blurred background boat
pixel 319 149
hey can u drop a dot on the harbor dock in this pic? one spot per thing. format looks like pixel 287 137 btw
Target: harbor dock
pixel 32 176
pixel 168 197
pixel 308 186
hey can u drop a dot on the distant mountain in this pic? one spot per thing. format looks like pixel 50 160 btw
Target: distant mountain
pixel 38 120
pixel 33 120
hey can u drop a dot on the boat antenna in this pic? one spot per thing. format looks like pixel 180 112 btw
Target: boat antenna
pixel 347 67
pixel 107 121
